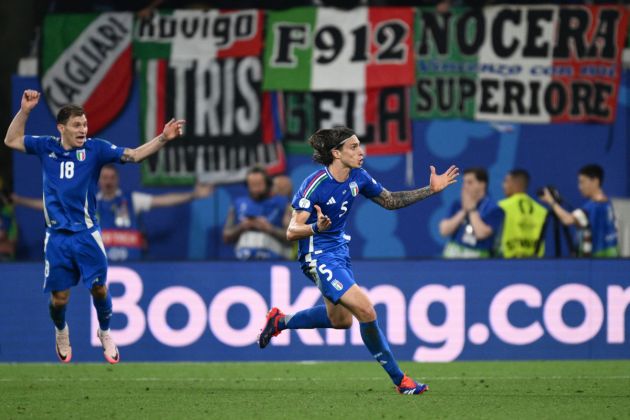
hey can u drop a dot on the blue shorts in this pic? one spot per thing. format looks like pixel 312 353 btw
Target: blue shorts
pixel 331 272
pixel 72 257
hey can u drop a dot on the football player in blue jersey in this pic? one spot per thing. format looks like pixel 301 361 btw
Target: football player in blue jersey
pixel 73 247
pixel 323 245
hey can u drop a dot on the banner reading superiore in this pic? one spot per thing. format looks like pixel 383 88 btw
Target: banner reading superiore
pixel 524 64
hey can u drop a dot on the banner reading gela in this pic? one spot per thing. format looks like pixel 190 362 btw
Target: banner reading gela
pixel 86 60
pixel 532 64
pixel 319 49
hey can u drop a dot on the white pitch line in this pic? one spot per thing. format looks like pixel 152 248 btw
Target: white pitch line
pixel 294 379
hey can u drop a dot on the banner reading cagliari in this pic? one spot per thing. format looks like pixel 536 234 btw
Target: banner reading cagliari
pixel 534 64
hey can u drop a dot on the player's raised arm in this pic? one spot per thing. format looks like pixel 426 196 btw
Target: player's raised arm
pixel 172 130
pixel 15 133
pixel 298 229
pixel 399 199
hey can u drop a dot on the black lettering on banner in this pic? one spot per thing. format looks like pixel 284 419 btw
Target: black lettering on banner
pixel 572 26
pixel 245 26
pixel 488 88
pixel 334 106
pixel 580 96
pixel 534 92
pixel 328 43
pixel 473 17
pixel 604 42
pixel 555 98
pixel 298 111
pixel 221 30
pixel 390 36
pixel 601 97
pixel 536 46
pixel 498 32
pixel 445 92
pixel 392 118
pixel 288 37
pixel 424 102
pixel 167 27
pixel 190 27
pixel 221 101
pixel 361 51
pixel 439 32
pixel 514 95
pixel 467 91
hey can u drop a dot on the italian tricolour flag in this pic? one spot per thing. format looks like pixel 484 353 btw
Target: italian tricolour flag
pixel 315 49
pixel 86 60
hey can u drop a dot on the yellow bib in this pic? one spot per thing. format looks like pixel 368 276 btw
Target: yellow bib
pixel 522 226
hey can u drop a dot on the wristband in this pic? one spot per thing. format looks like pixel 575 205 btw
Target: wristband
pixel 314 228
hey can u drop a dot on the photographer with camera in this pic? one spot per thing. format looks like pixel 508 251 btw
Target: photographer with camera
pixel 473 222
pixel 595 220
pixel 524 223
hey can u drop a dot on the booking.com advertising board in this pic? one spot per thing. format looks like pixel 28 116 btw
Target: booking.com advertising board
pixel 430 311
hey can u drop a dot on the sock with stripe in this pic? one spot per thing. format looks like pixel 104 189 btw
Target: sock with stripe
pixel 377 344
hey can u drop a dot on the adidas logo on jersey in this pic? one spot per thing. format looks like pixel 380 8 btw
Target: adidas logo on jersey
pixel 52 155
pixel 331 201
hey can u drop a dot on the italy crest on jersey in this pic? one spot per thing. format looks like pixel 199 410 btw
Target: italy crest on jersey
pixel 81 155
pixel 354 188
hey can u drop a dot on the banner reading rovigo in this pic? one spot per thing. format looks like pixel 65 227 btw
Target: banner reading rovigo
pixel 205 67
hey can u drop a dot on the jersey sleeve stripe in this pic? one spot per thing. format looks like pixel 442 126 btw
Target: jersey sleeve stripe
pixel 314 183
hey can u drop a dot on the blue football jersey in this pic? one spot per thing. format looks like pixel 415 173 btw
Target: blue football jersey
pixel 70 179
pixel 602 225
pixel 335 199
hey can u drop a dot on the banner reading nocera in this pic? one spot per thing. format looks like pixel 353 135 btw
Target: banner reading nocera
pixel 535 64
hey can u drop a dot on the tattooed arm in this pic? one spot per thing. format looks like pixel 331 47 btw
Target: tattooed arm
pixel 172 130
pixel 399 199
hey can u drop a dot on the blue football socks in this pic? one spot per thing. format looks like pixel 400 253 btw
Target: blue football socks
pixel 377 344
pixel 315 317
pixel 58 315
pixel 103 311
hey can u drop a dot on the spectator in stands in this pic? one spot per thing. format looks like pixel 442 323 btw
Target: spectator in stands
pixel 524 218
pixel 474 221
pixel 8 226
pixel 283 186
pixel 118 213
pixel 595 220
pixel 257 223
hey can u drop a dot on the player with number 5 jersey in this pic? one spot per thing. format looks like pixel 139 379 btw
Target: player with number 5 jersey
pixel 73 248
pixel 320 212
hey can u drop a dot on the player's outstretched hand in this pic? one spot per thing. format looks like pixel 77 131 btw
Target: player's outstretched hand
pixel 30 98
pixel 323 221
pixel 173 129
pixel 439 182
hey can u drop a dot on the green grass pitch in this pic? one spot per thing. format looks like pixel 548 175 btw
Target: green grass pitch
pixel 501 390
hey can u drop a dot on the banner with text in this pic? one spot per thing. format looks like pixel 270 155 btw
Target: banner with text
pixel 534 64
pixel 205 67
pixel 380 117
pixel 86 60
pixel 319 49
pixel 430 311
